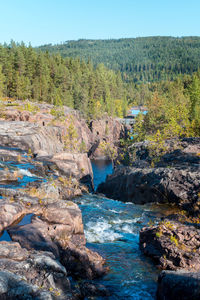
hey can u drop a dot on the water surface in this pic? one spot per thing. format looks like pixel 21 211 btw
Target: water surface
pixel 112 229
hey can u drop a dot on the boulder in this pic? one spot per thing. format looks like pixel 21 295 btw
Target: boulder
pixel 31 275
pixel 162 185
pixel 172 245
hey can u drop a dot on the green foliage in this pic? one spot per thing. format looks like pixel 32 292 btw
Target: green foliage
pixel 174 240
pixel 159 234
pixel 2 82
pixel 156 147
pixel 58 113
pixel 138 133
pixel 146 59
pixel 172 113
pixel 28 74
pixel 31 107
pixel 71 137
pixel 108 150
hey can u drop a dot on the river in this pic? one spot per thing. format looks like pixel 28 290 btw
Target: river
pixel 112 229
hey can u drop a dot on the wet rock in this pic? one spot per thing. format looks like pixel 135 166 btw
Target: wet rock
pixel 172 245
pixel 181 285
pixel 93 290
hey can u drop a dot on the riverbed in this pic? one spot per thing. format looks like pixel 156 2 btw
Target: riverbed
pixel 112 229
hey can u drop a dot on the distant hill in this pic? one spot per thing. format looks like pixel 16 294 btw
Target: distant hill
pixel 144 59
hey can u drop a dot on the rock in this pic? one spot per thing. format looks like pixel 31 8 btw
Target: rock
pixel 31 275
pixel 75 164
pixel 25 135
pixel 51 244
pixel 162 185
pixel 93 290
pixel 81 261
pixel 34 236
pixel 106 129
pixel 181 285
pixel 45 251
pixel 59 230
pixel 172 245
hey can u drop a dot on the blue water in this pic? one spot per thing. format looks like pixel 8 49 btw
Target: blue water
pixel 137 111
pixel 25 220
pixel 101 168
pixel 112 229
pixel 5 236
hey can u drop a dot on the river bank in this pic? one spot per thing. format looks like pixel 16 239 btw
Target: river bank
pixel 94 247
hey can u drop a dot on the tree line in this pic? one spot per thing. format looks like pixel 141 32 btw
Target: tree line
pixel 29 74
pixel 173 110
pixel 146 59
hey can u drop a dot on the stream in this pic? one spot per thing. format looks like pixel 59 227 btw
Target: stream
pixel 112 229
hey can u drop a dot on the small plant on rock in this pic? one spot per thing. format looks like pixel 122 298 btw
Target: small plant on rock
pixel 174 240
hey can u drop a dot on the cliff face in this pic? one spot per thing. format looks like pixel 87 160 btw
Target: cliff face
pixel 50 130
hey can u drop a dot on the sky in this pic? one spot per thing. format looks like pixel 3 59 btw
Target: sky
pixel 54 21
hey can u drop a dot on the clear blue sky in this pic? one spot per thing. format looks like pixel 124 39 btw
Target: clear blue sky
pixel 55 21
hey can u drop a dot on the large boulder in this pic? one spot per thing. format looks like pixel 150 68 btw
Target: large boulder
pixel 172 245
pixel 31 275
pixel 162 185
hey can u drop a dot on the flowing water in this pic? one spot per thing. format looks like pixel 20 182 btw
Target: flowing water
pixel 112 229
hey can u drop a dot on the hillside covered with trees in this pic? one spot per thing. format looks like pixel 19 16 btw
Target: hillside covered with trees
pixel 143 59
pixel 94 90
pixel 28 74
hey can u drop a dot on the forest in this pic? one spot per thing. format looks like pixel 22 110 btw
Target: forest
pixel 173 105
pixel 145 59
pixel 40 76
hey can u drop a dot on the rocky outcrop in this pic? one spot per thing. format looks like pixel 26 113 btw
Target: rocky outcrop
pixel 75 164
pixel 172 245
pixel 41 171
pixel 178 183
pixel 108 130
pixel 181 285
pixel 31 275
pixel 25 136
pixel 45 251
pixel 162 185
pixel 45 144
pixel 53 124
